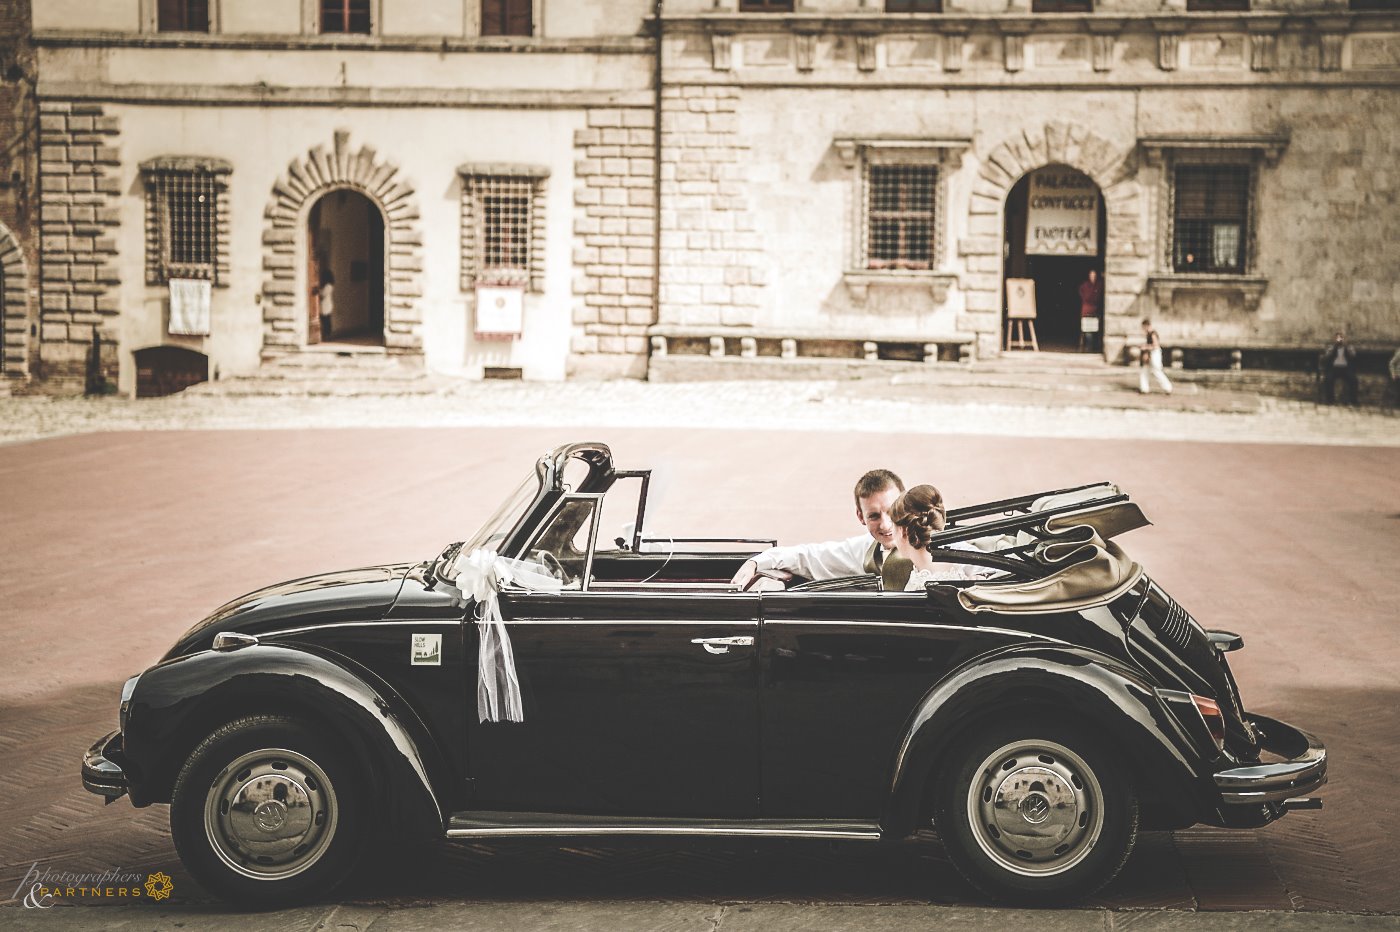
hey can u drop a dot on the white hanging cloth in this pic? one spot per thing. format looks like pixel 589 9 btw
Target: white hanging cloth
pixel 189 306
pixel 480 576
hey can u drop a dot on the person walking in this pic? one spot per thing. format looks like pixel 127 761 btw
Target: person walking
pixel 327 304
pixel 1151 358
pixel 1090 301
pixel 1339 362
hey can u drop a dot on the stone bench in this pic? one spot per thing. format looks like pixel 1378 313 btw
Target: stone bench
pixel 794 343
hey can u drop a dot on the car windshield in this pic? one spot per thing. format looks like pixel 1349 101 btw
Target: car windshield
pixel 505 518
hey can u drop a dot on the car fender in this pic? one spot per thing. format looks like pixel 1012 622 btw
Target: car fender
pixel 177 703
pixel 1083 686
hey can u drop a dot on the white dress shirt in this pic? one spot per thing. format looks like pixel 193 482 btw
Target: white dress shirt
pixel 830 559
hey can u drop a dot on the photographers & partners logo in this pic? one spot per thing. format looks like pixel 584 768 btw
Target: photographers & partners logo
pixel 44 888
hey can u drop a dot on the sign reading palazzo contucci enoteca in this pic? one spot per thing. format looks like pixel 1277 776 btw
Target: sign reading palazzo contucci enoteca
pixel 1062 213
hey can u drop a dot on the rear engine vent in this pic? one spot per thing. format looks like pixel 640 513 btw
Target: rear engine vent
pixel 1174 626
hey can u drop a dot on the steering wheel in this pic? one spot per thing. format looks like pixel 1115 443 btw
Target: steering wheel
pixel 556 569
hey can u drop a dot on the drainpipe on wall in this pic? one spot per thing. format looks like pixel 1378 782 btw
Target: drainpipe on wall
pixel 660 34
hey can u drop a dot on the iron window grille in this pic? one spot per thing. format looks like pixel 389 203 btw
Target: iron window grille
pixel 1062 6
pixel 1217 6
pixel 507 18
pixel 913 6
pixel 765 6
pixel 1210 218
pixel 345 16
pixel 901 216
pixel 186 219
pixel 182 16
pixel 503 238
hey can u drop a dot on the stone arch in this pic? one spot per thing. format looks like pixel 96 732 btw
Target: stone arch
pixel 14 307
pixel 1114 169
pixel 284 249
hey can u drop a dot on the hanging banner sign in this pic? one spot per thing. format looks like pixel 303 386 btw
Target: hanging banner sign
pixel 500 311
pixel 1062 217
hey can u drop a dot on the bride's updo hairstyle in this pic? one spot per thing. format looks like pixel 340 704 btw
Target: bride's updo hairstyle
pixel 920 512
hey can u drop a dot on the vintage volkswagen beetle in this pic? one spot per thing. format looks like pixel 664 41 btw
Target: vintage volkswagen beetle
pixel 1037 721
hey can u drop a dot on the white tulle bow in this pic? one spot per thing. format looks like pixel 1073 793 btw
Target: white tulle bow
pixel 480 577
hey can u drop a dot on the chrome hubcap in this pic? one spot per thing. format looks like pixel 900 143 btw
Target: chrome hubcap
pixel 270 814
pixel 1035 807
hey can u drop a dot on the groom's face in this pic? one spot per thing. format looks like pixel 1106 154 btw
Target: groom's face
pixel 874 513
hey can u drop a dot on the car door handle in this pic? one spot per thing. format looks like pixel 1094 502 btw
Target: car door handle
pixel 722 645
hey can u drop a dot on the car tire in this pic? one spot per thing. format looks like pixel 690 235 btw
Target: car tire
pixel 268 811
pixel 1036 812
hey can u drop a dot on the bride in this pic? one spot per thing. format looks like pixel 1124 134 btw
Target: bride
pixel 918 514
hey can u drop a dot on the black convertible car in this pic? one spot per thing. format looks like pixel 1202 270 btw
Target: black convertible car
pixel 562 673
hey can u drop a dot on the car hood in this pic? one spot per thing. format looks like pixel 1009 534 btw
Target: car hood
pixel 348 595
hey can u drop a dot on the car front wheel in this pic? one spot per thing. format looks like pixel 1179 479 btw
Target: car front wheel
pixel 1036 813
pixel 267 811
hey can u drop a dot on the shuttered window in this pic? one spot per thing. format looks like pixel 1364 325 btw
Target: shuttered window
pixel 345 16
pixel 506 18
pixel 182 16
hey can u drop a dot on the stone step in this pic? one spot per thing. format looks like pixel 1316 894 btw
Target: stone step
pixel 312 388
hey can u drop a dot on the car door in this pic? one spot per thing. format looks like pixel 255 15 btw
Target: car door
pixel 635 703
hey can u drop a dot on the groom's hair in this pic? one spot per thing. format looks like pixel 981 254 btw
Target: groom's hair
pixel 875 481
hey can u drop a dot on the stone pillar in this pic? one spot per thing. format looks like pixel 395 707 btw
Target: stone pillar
pixel 614 244
pixel 80 188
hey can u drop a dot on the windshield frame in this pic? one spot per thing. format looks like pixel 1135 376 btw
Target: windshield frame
pixel 507 515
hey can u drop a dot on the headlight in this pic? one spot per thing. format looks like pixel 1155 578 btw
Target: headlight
pixel 128 688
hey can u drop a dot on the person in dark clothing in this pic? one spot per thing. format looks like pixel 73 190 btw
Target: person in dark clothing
pixel 1339 362
pixel 1090 301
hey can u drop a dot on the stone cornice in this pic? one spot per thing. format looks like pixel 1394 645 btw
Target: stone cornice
pixel 1269 146
pixel 947 151
pixel 1021 23
pixel 261 95
pixel 620 45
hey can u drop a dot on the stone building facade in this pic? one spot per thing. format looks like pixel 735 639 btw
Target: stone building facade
pixel 19 185
pixel 851 179
pixel 730 178
pixel 405 153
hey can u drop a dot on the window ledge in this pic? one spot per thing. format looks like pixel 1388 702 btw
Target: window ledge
pixel 189 164
pixel 858 282
pixel 1250 288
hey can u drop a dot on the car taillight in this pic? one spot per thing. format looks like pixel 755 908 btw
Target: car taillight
pixel 1215 721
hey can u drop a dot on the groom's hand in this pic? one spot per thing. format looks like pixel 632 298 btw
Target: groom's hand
pixel 745 576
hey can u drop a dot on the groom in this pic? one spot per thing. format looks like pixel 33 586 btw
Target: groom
pixel 872 552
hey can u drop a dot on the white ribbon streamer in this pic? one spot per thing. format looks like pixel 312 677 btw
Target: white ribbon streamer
pixel 480 576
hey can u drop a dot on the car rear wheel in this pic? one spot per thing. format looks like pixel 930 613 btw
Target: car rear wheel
pixel 1036 812
pixel 267 811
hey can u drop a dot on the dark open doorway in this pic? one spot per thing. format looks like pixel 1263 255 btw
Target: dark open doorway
pixel 345 270
pixel 1057 276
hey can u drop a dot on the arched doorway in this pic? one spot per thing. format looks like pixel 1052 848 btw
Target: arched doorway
pixel 1054 235
pixel 345 270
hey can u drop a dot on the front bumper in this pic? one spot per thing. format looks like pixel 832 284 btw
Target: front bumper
pixel 1303 769
pixel 103 773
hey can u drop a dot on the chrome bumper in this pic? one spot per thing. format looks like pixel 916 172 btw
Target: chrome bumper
pixel 1304 770
pixel 101 774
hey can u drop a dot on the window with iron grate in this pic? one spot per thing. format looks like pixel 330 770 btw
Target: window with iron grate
pixel 507 18
pixel 1210 218
pixel 345 16
pixel 183 209
pixel 182 16
pixel 913 6
pixel 765 6
pixel 1217 6
pixel 901 216
pixel 1062 6
pixel 503 226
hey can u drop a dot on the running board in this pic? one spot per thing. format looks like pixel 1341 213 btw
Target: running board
pixel 524 824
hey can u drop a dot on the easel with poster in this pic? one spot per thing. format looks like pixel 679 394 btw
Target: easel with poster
pixel 1020 314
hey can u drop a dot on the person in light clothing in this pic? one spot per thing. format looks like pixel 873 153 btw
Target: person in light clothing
pixel 918 514
pixel 1152 358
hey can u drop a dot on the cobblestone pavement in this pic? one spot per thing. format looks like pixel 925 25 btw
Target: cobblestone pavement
pixel 861 405
pixel 115 540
